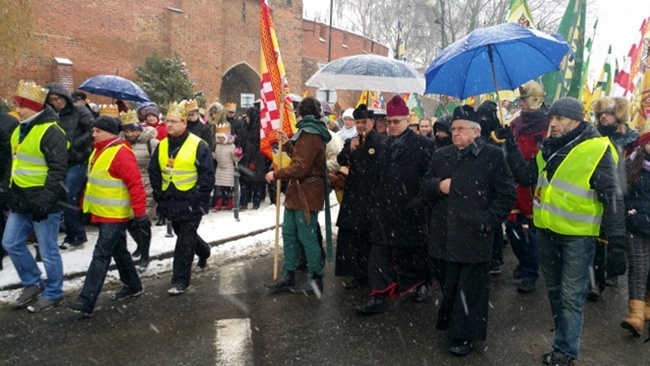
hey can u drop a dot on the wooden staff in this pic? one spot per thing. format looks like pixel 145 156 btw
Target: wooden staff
pixel 278 191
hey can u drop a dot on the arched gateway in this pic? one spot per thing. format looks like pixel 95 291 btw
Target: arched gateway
pixel 240 80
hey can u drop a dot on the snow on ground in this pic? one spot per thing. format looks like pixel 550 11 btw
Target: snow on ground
pixel 215 227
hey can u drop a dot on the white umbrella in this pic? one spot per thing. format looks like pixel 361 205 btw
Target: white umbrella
pixel 368 72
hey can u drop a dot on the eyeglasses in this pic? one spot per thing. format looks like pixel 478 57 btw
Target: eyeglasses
pixel 461 128
pixel 394 121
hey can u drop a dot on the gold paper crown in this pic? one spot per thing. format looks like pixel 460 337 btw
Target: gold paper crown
pixel 191 105
pixel 231 106
pixel 177 110
pixel 129 118
pixel 109 110
pixel 32 91
pixel 223 128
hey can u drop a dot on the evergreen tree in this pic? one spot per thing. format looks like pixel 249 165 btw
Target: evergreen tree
pixel 165 80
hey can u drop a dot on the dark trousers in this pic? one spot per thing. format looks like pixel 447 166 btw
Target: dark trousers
pixel 465 299
pixel 352 251
pixel 110 243
pixel 251 190
pixel 223 192
pixel 74 184
pixel 187 240
pixel 523 239
pixel 497 247
pixel 393 271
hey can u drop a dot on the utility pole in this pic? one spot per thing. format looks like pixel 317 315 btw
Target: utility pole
pixel 442 25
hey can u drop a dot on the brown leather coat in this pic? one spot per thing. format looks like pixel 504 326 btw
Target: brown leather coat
pixel 306 170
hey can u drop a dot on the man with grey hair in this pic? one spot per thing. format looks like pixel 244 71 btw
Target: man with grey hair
pixel 465 220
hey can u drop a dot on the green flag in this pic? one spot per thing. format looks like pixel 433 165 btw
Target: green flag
pixel 520 13
pixel 567 81
pixel 415 106
pixel 585 65
pixel 606 76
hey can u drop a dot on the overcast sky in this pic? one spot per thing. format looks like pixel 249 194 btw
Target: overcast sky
pixel 618 25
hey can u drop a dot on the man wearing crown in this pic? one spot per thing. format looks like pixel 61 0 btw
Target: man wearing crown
pixel 196 126
pixel 143 142
pixel 38 171
pixel 75 120
pixel 181 173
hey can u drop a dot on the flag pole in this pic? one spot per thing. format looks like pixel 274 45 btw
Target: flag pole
pixel 278 192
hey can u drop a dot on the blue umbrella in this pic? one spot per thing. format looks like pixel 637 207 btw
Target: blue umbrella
pixel 115 87
pixel 503 56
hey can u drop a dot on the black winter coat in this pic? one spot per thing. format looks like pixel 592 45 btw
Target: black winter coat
pixel 7 126
pixel 638 198
pixel 482 192
pixel 395 222
pixel 364 165
pixel 604 180
pixel 253 165
pixel 177 205
pixel 53 145
pixel 203 131
pixel 76 121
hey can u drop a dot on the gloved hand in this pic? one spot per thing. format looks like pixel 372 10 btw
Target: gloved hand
pixel 503 133
pixel 142 222
pixel 239 153
pixel 616 256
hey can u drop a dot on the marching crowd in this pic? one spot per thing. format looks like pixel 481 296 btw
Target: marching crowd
pixel 418 205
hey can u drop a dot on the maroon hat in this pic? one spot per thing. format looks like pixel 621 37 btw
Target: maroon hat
pixel 396 107
pixel 643 139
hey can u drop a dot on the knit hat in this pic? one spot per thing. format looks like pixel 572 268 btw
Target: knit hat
pixel 567 107
pixel 362 112
pixel 348 113
pixel 643 139
pixel 465 112
pixel 108 124
pixel 397 107
pixel 78 96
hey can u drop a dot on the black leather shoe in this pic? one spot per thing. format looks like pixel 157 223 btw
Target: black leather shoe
pixel 283 284
pixel 375 305
pixel 421 294
pixel 460 347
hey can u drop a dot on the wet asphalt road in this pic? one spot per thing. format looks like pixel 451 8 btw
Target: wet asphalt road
pixel 290 329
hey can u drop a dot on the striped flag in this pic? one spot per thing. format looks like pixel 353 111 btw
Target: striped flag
pixel 640 105
pixel 606 77
pixel 585 66
pixel 274 94
pixel 363 98
pixel 567 81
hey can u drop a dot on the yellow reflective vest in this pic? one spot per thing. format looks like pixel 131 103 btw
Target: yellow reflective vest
pixel 181 169
pixel 28 166
pixel 567 204
pixel 106 196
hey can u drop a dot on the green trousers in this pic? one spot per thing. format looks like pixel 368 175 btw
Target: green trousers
pixel 295 232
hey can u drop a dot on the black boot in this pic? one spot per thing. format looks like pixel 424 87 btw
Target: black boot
pixel 2 255
pixel 315 283
pixel 421 293
pixel 144 256
pixel 283 284
pixel 161 221
pixel 374 305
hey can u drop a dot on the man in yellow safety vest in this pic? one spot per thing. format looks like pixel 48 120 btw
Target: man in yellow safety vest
pixel 114 196
pixel 181 173
pixel 576 192
pixel 38 169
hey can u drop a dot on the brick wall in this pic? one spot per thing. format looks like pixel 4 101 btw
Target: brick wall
pixel 211 36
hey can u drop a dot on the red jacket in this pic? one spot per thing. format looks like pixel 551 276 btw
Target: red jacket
pixel 161 128
pixel 125 167
pixel 528 143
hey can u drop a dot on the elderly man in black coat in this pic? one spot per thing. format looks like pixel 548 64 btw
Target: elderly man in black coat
pixel 471 190
pixel 397 262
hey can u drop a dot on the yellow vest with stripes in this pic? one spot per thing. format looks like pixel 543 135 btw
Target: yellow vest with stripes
pixel 181 170
pixel 28 166
pixel 567 204
pixel 106 196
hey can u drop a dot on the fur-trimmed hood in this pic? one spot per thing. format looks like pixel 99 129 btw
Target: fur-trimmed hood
pixel 617 106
